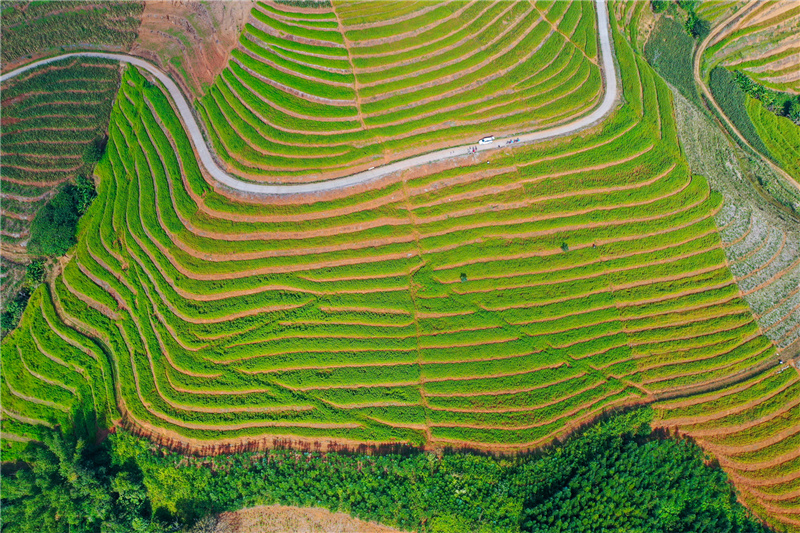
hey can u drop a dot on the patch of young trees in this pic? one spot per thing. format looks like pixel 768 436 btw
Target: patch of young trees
pixel 68 485
pixel 616 475
pixel 34 275
pixel 54 229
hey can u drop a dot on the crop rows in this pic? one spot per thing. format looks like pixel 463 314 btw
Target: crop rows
pixel 317 94
pixel 752 429
pixel 493 304
pixel 763 43
pixel 764 262
pixel 780 135
pixel 36 28
pixel 50 117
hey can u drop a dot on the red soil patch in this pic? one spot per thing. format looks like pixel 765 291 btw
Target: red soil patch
pixel 281 519
pixel 211 28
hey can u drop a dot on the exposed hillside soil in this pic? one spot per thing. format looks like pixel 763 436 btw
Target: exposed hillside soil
pixel 279 519
pixel 191 40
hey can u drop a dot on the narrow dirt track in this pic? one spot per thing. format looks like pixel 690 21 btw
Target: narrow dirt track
pixel 728 25
pixel 206 159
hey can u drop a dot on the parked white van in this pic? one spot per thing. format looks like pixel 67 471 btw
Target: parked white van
pixel 486 140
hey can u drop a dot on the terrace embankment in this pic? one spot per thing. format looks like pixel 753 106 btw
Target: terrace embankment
pixel 51 117
pixel 752 431
pixel 489 305
pixel 30 30
pixel 762 244
pixel 763 43
pixel 316 94
pixel 495 305
pixel 190 40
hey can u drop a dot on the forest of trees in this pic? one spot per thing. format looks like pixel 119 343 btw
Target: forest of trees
pixel 614 476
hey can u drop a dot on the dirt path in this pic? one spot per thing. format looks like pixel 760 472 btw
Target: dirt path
pixel 730 24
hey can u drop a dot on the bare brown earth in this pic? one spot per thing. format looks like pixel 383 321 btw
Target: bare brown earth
pixel 280 519
pixel 199 36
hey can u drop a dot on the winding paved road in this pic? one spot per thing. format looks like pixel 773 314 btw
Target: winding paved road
pixel 214 170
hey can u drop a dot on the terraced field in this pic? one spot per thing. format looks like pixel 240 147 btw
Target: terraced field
pixel 765 261
pixel 32 29
pixel 753 430
pixel 50 118
pixel 762 243
pixel 763 42
pixel 317 94
pixel 495 304
pixel 780 135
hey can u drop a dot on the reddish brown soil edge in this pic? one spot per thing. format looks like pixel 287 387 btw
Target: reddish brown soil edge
pixel 283 518
pixel 179 443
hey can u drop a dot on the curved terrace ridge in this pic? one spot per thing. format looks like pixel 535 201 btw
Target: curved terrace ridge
pixel 214 170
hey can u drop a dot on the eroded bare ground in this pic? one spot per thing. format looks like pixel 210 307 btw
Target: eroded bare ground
pixel 191 40
pixel 282 519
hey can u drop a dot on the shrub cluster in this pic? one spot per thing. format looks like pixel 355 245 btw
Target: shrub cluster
pixel 53 231
pixel 34 275
pixel 616 474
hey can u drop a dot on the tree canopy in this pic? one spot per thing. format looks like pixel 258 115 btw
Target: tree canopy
pixel 67 486
pixel 53 231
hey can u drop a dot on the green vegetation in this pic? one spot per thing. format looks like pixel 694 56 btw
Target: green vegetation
pixel 297 108
pixel 460 492
pixel 35 28
pixel 780 135
pixel 34 275
pixel 669 50
pixel 782 104
pixel 748 428
pixel 54 124
pixel 54 228
pixel 659 6
pixel 732 99
pixel 696 27
pixel 584 256
pixel 495 305
pixel 758 46
pixel 70 486
pixel 605 470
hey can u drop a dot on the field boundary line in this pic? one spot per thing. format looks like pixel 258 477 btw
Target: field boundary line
pixel 205 157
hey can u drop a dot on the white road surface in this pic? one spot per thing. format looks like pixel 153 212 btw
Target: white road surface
pixel 204 153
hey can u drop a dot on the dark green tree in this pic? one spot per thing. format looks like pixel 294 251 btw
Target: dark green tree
pixel 14 308
pixel 34 273
pixel 70 487
pixel 791 109
pixel 695 26
pixel 53 230
pixel 95 150
pixel 84 194
pixel 629 481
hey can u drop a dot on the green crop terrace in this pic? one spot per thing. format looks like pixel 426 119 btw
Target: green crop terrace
pixel 495 305
pixel 762 43
pixel 312 96
pixel 49 118
pixel 752 430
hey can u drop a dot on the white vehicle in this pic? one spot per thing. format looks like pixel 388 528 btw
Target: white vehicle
pixel 486 140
